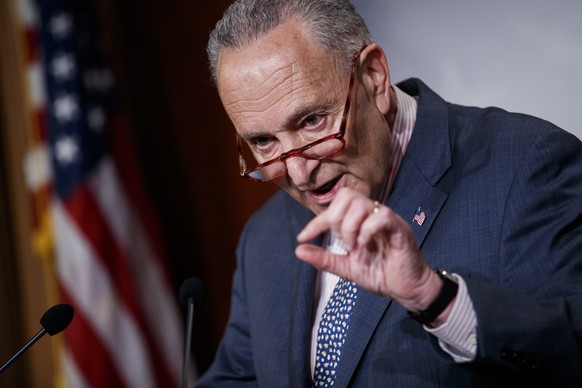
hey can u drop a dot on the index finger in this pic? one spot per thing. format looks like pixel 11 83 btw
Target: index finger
pixel 314 228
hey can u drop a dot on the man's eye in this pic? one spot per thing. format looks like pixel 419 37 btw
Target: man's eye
pixel 260 141
pixel 313 120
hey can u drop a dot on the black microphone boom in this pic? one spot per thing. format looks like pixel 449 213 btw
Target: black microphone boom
pixel 53 321
pixel 191 295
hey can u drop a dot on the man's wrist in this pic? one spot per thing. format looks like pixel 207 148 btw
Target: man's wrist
pixel 441 302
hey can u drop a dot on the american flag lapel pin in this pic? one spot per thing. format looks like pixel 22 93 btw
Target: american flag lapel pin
pixel 419 217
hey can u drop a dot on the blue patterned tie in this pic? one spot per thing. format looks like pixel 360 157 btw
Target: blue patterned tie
pixel 331 335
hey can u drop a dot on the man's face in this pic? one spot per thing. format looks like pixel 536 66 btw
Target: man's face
pixel 283 92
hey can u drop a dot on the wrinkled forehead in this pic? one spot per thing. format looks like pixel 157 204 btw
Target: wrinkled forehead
pixel 284 60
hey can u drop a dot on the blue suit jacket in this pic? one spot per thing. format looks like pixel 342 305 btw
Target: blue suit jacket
pixel 502 195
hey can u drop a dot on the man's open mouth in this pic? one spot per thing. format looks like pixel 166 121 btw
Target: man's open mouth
pixel 327 187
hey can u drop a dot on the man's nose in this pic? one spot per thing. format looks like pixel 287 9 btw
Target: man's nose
pixel 300 169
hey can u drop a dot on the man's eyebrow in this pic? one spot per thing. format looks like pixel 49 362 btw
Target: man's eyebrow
pixel 291 121
pixel 251 135
pixel 302 112
pixel 298 115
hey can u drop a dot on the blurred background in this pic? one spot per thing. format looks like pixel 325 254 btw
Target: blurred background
pixel 521 55
pixel 118 171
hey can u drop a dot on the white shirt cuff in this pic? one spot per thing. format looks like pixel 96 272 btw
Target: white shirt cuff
pixel 458 335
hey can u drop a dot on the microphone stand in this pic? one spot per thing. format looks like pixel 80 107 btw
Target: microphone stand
pixel 38 335
pixel 187 342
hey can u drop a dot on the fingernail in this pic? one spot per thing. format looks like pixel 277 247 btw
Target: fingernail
pixel 300 236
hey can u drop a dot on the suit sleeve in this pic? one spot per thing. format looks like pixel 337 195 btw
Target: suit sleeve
pixel 233 364
pixel 531 324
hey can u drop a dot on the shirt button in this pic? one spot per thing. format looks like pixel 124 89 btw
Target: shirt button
pixel 472 339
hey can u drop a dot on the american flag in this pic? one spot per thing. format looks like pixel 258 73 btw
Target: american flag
pixel 419 217
pixel 109 260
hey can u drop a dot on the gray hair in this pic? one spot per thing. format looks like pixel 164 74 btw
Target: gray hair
pixel 335 26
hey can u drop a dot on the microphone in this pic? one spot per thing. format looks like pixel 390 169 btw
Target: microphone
pixel 53 321
pixel 191 295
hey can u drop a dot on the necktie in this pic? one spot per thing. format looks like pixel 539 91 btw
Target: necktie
pixel 332 331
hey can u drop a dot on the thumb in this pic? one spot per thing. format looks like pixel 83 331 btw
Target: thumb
pixel 321 258
pixel 310 254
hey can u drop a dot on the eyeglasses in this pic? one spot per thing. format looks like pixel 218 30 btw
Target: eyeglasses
pixel 323 148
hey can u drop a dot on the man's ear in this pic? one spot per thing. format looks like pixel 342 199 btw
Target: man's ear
pixel 376 76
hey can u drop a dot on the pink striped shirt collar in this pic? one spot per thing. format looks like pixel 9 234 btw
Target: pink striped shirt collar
pixel 401 134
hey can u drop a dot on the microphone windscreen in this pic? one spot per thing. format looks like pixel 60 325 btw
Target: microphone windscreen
pixel 57 318
pixel 192 288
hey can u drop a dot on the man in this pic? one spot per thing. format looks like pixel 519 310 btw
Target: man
pixel 337 282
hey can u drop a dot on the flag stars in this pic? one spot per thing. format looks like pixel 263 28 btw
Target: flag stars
pixel 65 108
pixel 63 67
pixel 66 150
pixel 60 25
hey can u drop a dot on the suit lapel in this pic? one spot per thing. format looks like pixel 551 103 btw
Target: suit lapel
pixel 411 192
pixel 300 318
pixel 300 325
pixel 426 161
pixel 367 313
pixel 415 195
